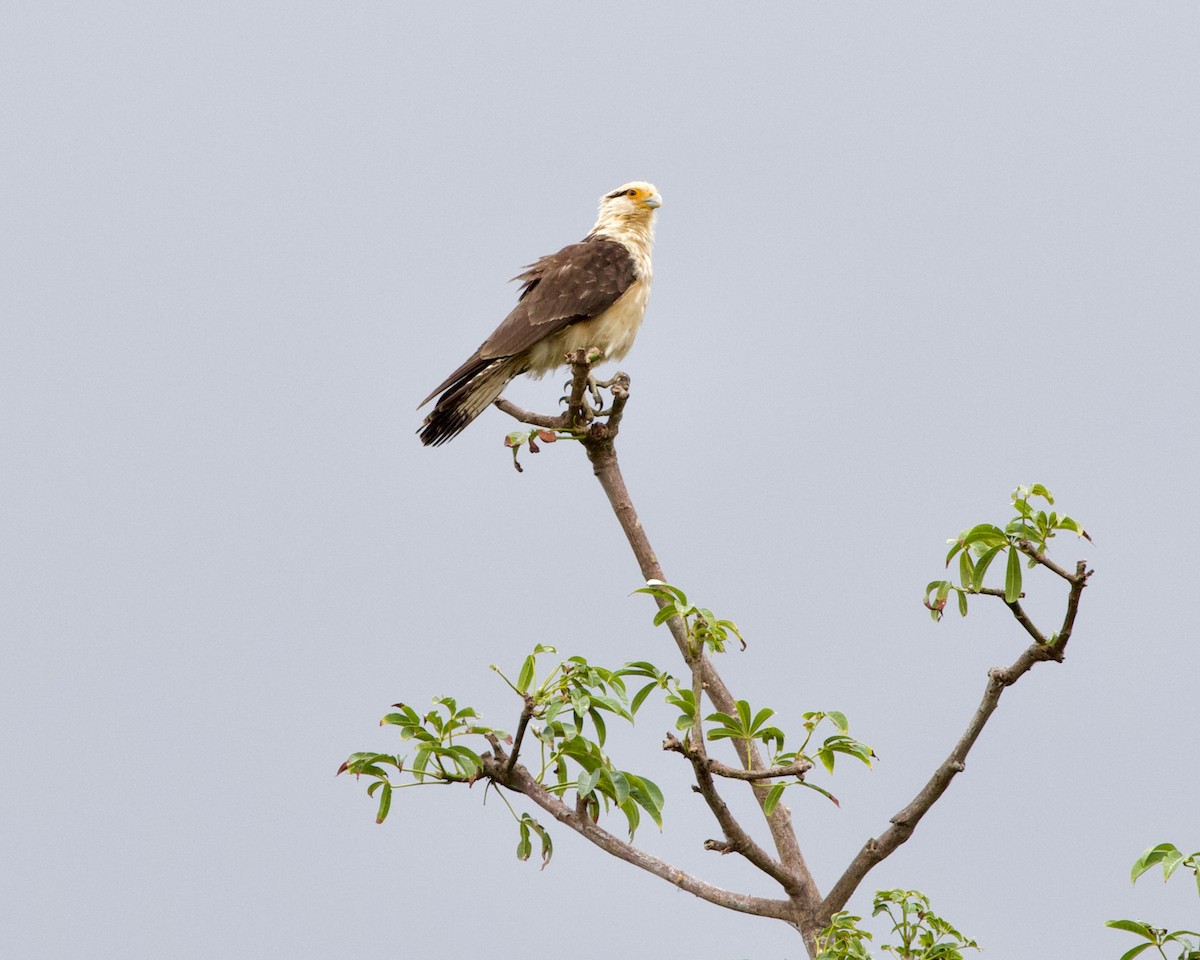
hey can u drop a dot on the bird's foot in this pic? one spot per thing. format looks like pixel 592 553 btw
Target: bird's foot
pixel 591 401
pixel 583 412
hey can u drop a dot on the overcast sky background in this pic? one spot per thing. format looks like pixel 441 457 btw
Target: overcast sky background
pixel 909 256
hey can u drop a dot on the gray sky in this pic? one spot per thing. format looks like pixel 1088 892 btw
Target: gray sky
pixel 910 256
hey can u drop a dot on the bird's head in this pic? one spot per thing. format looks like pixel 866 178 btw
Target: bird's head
pixel 634 202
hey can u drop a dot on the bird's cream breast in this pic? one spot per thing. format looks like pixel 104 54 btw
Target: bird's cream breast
pixel 613 331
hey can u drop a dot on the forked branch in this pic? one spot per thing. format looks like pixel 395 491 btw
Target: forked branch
pixel 804 908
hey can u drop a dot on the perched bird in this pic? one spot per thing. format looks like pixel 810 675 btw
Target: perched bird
pixel 589 294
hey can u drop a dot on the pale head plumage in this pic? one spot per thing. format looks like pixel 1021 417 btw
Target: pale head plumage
pixel 635 201
pixel 627 215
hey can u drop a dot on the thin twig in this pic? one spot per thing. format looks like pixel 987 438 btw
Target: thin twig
pixel 1027 548
pixel 797 769
pixel 533 419
pixel 1023 619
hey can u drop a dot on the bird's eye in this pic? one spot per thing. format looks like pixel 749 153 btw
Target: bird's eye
pixel 631 193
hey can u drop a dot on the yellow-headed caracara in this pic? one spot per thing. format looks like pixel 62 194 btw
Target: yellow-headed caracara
pixel 590 294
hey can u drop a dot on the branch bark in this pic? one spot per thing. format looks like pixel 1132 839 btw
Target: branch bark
pixel 797 769
pixel 518 779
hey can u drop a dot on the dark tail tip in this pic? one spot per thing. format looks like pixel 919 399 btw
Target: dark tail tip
pixel 466 399
pixel 442 425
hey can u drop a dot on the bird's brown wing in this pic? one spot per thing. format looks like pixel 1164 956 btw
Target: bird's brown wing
pixel 579 282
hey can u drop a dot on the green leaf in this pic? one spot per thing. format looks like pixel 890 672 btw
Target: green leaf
pixel 1132 926
pixel 665 613
pixel 982 564
pixel 620 785
pixel 958 545
pixel 385 801
pixel 962 603
pixel 1037 490
pixel 632 816
pixel 1012 576
pixel 587 782
pixel 966 569
pixel 839 720
pixel 822 791
pixel 359 763
pixel 658 588
pixel 598 723
pixel 987 534
pixel 773 797
pixel 1066 523
pixel 1169 855
pixel 1130 954
pixel 640 697
pixel 647 795
pixel 547 843
pixel 825 755
pixel 760 718
pixel 525 678
pixel 612 704
pixel 466 759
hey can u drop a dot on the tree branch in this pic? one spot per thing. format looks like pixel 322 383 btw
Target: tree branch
pixel 1027 548
pixel 1023 619
pixel 797 769
pixel 608 471
pixel 738 840
pixel 905 822
pixel 526 713
pixel 533 419
pixel 1078 582
pixel 520 780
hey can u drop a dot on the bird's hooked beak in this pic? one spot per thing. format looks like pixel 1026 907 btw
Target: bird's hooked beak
pixel 654 201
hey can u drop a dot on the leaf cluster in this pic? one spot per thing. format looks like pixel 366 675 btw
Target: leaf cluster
pixel 1025 535
pixel 518 438
pixel 565 710
pixel 568 704
pixel 1170 858
pixel 921 933
pixel 704 629
pixel 437 758
pixel 708 632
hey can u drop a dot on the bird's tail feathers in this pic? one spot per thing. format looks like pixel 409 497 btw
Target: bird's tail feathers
pixel 466 399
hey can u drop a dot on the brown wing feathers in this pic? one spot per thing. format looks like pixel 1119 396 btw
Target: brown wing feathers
pixel 578 283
